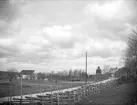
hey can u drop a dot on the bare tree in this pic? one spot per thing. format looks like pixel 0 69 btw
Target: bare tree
pixel 12 69
pixel 12 73
pixel 106 69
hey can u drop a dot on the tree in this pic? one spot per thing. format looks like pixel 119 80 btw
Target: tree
pixel 41 76
pixel 106 69
pixel 130 55
pixel 12 73
pixel 12 69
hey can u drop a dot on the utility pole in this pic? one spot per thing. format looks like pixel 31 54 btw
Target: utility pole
pixel 21 90
pixel 10 89
pixel 86 68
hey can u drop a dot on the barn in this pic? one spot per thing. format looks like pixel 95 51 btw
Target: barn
pixel 27 74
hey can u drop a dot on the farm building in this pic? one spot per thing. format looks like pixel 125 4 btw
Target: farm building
pixel 125 71
pixel 27 74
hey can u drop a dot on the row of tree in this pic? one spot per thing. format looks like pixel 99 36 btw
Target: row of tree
pixel 60 75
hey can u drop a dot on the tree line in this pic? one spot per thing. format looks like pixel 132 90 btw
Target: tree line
pixel 60 75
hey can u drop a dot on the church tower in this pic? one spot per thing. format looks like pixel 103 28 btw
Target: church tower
pixel 98 71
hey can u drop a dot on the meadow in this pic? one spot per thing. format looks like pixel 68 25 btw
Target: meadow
pixel 34 86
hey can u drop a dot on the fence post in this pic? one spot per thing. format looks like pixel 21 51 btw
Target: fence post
pixel 21 90
pixel 51 95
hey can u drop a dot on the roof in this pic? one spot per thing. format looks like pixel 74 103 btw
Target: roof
pixel 27 72
pixel 113 70
pixel 122 70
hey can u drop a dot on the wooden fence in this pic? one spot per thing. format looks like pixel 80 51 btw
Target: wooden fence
pixel 69 97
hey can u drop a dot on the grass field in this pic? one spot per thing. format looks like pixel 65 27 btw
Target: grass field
pixel 34 86
pixel 124 94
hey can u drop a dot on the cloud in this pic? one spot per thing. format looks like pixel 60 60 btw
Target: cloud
pixel 102 9
pixel 58 32
pixel 115 9
pixel 103 48
pixel 8 11
pixel 45 35
pixel 7 48
pixel 110 18
pixel 60 36
pixel 8 14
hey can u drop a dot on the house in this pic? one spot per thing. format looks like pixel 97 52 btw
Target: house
pixel 122 71
pixel 27 74
pixel 112 71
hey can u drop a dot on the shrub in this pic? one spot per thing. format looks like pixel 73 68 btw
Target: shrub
pixel 127 79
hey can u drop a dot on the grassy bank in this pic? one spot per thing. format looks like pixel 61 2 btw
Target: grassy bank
pixel 124 93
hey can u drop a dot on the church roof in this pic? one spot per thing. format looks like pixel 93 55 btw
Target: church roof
pixel 27 72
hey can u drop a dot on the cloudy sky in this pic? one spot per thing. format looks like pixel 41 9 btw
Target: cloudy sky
pixel 48 35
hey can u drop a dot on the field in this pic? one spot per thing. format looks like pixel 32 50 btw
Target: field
pixel 124 94
pixel 34 86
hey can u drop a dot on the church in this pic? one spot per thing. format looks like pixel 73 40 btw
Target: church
pixel 98 71
pixel 98 76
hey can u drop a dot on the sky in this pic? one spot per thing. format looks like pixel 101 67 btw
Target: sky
pixel 53 35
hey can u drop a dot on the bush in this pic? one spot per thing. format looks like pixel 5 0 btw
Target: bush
pixel 132 78
pixel 127 79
